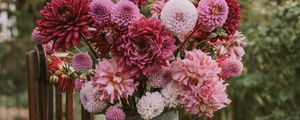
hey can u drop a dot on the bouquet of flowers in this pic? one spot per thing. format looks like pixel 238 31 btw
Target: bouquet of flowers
pixel 144 56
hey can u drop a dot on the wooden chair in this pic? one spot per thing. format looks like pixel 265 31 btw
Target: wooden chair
pixel 42 97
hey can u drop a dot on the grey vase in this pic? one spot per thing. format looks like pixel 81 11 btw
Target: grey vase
pixel 168 115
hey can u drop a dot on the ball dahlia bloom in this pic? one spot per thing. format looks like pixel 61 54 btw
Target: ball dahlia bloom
pixel 146 47
pixel 150 105
pixel 125 12
pixel 159 79
pixel 180 16
pixel 58 67
pixel 37 37
pixel 114 113
pixel 89 100
pixel 231 67
pixel 112 82
pixel 234 15
pixel 212 14
pixel 63 22
pixel 171 94
pixel 196 67
pixel 100 11
pixel 205 99
pixel 82 62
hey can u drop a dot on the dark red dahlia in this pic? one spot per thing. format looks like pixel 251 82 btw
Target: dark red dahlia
pixel 234 15
pixel 146 47
pixel 64 21
pixel 105 38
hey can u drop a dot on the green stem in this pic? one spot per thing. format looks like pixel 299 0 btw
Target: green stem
pixel 89 47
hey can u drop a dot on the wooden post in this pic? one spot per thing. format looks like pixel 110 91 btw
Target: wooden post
pixel 69 105
pixel 58 107
pixel 85 115
pixel 32 68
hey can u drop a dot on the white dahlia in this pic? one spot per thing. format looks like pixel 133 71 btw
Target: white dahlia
pixel 180 16
pixel 150 105
pixel 171 93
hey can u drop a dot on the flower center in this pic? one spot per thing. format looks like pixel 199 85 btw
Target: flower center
pixel 216 10
pixel 179 16
pixel 142 44
pixel 117 79
pixel 63 11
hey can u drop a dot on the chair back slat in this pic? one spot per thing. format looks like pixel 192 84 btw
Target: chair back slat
pixel 32 67
pixel 58 104
pixel 40 92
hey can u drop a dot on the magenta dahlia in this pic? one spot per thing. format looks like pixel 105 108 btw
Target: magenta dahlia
pixel 112 82
pixel 146 47
pixel 37 37
pixel 114 113
pixel 160 78
pixel 100 11
pixel 196 67
pixel 64 21
pixel 205 99
pixel 82 62
pixel 234 15
pixel 125 12
pixel 212 14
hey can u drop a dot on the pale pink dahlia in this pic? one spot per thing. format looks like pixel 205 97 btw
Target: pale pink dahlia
pixel 82 62
pixel 150 105
pixel 89 100
pixel 112 82
pixel 37 37
pixel 231 67
pixel 205 99
pixel 146 47
pixel 212 14
pixel 196 67
pixel 180 16
pixel 171 94
pixel 125 12
pixel 114 113
pixel 159 79
pixel 100 11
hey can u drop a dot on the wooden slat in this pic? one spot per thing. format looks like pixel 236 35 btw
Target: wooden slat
pixel 69 105
pixel 32 67
pixel 58 107
pixel 85 115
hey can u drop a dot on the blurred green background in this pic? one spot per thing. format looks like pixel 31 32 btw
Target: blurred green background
pixel 267 90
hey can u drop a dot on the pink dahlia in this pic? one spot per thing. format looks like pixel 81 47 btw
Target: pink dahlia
pixel 64 21
pixel 49 48
pixel 212 14
pixel 79 83
pixel 37 37
pixel 115 113
pixel 140 3
pixel 146 47
pixel 205 99
pixel 234 15
pixel 231 67
pixel 89 100
pixel 100 11
pixel 124 13
pixel 112 82
pixel 159 79
pixel 180 16
pixel 196 67
pixel 82 62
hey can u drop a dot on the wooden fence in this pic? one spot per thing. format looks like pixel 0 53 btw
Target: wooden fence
pixel 45 101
